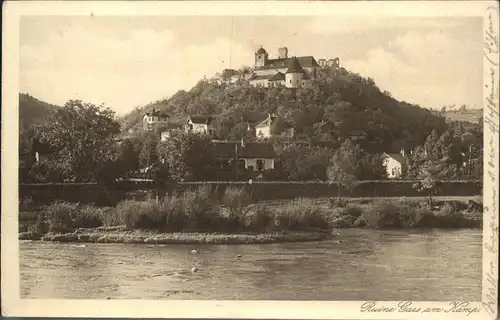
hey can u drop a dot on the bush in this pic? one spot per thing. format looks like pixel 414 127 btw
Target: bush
pixel 87 216
pixel 175 219
pixel 141 214
pixel 260 218
pixel 353 210
pixel 111 217
pixel 61 216
pixel 387 214
pixel 300 214
pixel 198 208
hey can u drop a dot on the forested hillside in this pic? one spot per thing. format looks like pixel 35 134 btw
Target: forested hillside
pixel 32 110
pixel 337 105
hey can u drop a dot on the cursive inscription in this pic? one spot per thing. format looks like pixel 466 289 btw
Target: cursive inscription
pixel 491 113
pixel 491 36
pixel 411 307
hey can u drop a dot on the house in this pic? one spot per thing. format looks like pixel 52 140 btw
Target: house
pixel 167 130
pixel 283 71
pixel 264 128
pixel 396 164
pixel 151 120
pixel 249 155
pixel 200 125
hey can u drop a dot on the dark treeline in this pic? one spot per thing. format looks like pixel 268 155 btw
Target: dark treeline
pixel 82 138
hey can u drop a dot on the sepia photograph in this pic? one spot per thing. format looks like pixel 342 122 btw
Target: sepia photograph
pixel 251 154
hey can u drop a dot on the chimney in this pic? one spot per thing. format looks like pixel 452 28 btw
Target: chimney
pixel 242 143
pixel 402 152
pixel 283 53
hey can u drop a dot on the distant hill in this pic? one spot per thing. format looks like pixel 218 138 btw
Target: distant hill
pixel 470 115
pixel 32 110
pixel 339 103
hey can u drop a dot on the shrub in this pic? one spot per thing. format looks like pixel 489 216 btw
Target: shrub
pixel 235 198
pixel 388 214
pixel 59 215
pixel 381 214
pixel 141 214
pixel 198 207
pixel 87 216
pixel 174 215
pixel 353 210
pixel 111 217
pixel 338 202
pixel 411 214
pixel 235 201
pixel 300 214
pixel 258 218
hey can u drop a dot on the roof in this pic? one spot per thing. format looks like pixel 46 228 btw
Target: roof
pixel 157 113
pixel 261 51
pixel 294 66
pixel 170 126
pixel 247 150
pixel 398 157
pixel 265 77
pixel 277 77
pixel 200 119
pixel 305 62
pixel 266 122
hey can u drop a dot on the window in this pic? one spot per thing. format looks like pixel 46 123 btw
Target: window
pixel 260 165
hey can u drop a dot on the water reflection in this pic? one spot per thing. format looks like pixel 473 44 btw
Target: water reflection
pixel 357 265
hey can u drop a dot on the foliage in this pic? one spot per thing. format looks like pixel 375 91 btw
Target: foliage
pixel 349 164
pixel 49 171
pixel 337 104
pixel 61 216
pixel 82 136
pixel 388 214
pixel 188 157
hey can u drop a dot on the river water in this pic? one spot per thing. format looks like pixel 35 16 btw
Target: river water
pixel 356 265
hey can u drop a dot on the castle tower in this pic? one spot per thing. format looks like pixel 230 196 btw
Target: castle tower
pixel 294 74
pixel 283 53
pixel 260 58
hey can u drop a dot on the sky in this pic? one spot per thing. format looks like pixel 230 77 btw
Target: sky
pixel 126 62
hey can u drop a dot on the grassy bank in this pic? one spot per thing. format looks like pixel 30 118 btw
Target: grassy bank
pixel 195 217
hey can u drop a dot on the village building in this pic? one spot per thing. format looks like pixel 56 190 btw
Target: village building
pixel 263 129
pixel 255 156
pixel 168 129
pixel 330 63
pixel 294 72
pixel 153 119
pixel 396 164
pixel 200 125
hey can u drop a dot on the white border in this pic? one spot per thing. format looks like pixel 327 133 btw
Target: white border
pixel 12 305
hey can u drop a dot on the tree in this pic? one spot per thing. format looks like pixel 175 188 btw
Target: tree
pixel 128 157
pixel 427 178
pixel 148 155
pixel 343 165
pixel 188 157
pixel 83 136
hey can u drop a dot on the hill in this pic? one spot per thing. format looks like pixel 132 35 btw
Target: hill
pixel 470 115
pixel 32 110
pixel 339 103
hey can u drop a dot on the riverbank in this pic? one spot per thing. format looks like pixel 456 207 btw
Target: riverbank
pixel 196 217
pixel 122 235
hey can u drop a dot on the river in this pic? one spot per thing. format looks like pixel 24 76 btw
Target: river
pixel 439 265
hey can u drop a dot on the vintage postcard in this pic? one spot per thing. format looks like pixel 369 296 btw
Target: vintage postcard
pixel 256 160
